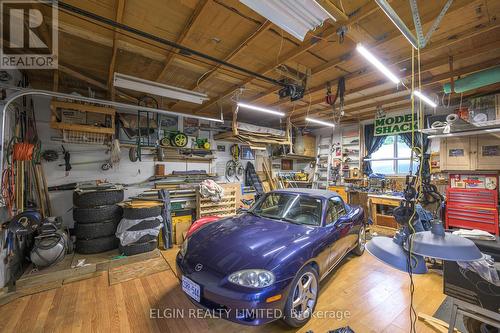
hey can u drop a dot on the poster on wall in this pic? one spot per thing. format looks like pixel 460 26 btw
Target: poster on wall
pixel 387 124
pixel 168 124
pixel 190 126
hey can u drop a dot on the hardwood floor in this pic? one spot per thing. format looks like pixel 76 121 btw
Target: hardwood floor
pixel 375 296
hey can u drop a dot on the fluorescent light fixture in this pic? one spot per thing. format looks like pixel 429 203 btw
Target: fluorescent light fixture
pixel 325 123
pixel 159 89
pixel 296 17
pixel 371 58
pixel 258 108
pixel 424 98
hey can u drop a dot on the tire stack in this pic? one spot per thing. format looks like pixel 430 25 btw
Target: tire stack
pixel 96 215
pixel 144 219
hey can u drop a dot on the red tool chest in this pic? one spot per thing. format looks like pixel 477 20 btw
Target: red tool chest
pixel 472 202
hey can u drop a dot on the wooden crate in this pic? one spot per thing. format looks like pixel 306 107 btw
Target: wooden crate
pixel 83 133
pixel 226 207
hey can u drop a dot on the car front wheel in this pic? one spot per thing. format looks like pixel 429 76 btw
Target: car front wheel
pixel 302 297
pixel 360 246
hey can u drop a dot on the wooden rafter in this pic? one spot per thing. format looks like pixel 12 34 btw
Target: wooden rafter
pixel 260 30
pixel 120 7
pixel 193 19
pixel 433 65
pixel 93 82
pixel 241 47
pixel 333 10
pixel 445 42
pixel 304 47
pixel 432 82
pixel 395 34
pixel 358 15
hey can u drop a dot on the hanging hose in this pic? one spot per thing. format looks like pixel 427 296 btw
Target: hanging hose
pixel 23 151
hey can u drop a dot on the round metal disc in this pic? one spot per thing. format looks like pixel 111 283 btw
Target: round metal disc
pixel 448 247
pixel 392 254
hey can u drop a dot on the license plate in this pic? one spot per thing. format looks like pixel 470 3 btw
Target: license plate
pixel 191 288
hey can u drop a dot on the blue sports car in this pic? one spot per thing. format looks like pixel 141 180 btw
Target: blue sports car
pixel 266 263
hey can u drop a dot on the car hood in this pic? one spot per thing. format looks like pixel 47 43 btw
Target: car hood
pixel 242 242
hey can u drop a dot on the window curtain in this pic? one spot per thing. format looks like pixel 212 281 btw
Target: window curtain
pixel 372 144
pixel 420 140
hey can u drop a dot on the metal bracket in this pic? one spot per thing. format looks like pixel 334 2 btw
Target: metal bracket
pixel 420 41
pixel 437 21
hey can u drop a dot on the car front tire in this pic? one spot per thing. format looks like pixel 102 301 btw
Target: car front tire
pixel 302 297
pixel 360 246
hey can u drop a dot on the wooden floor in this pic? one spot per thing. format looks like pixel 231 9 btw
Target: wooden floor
pixel 375 296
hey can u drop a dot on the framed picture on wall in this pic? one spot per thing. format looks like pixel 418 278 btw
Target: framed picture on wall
pixel 286 165
pixel 247 153
pixel 221 147
pixel 191 126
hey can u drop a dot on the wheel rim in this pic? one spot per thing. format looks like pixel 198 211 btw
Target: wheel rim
pixel 180 140
pixel 362 239
pixel 304 296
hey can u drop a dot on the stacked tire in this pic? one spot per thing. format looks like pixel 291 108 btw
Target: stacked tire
pixel 96 215
pixel 142 225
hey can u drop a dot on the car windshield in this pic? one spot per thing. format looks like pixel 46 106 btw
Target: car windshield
pixel 293 208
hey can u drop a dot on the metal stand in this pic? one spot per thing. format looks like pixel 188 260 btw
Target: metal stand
pixel 472 311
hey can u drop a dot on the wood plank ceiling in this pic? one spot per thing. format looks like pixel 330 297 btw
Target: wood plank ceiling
pixel 89 53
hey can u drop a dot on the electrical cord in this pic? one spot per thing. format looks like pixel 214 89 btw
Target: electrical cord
pixel 50 155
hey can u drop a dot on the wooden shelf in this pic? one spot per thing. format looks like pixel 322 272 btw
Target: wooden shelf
pixel 295 157
pixel 81 128
pixel 225 207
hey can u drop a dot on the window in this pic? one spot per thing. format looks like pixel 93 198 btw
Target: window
pixel 393 157
pixel 336 209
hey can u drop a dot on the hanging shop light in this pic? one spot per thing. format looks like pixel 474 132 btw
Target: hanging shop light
pixel 424 98
pixel 374 61
pixel 391 252
pixel 436 243
pixel 260 109
pixel 320 122
pixel 295 17
pixel 407 249
pixel 159 89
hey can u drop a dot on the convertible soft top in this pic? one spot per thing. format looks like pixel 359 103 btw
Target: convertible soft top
pixel 307 191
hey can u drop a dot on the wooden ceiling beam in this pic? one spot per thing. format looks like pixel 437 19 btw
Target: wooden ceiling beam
pixel 91 81
pixel 433 81
pixel 120 8
pixel 304 47
pixel 426 67
pixel 333 10
pixel 395 34
pixel 260 30
pixel 191 23
pixel 353 18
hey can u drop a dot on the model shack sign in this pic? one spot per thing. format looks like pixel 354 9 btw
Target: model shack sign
pixel 394 124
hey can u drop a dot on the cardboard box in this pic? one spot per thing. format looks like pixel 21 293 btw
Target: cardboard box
pixel 73 117
pixel 180 230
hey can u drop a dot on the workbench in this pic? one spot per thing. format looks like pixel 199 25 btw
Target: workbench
pixel 381 207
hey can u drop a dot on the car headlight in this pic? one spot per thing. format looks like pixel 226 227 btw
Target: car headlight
pixel 184 247
pixel 253 278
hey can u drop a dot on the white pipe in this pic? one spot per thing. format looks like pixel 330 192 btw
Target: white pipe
pixel 465 133
pixel 27 92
